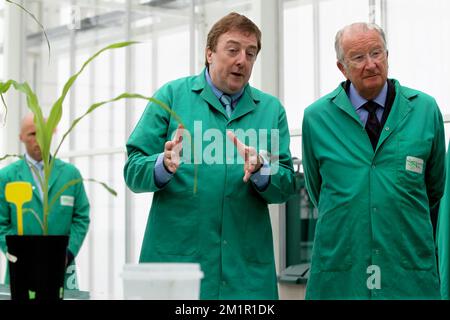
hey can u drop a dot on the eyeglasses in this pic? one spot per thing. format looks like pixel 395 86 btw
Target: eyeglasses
pixel 359 59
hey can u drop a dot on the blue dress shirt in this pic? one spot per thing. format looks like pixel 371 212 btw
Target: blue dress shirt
pixel 358 102
pixel 39 166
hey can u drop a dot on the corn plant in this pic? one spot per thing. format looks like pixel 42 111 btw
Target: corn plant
pixel 45 126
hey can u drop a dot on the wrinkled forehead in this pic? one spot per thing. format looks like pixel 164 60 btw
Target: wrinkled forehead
pixel 360 37
pixel 238 36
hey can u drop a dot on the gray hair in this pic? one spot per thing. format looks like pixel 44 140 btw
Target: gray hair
pixel 364 26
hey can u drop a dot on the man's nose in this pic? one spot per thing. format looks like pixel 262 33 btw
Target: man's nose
pixel 240 58
pixel 370 62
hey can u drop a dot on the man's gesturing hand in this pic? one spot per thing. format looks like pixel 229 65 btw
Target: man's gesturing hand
pixel 172 150
pixel 251 157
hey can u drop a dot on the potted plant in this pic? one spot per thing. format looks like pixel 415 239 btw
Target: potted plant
pixel 45 248
pixel 18 245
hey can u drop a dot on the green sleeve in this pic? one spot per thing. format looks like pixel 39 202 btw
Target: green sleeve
pixel 443 237
pixel 281 181
pixel 80 218
pixel 5 213
pixel 144 145
pixel 435 180
pixel 310 163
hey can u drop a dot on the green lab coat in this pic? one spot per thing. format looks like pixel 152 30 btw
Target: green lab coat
pixel 443 236
pixel 374 237
pixel 206 213
pixel 65 218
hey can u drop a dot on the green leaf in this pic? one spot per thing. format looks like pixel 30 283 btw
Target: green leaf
pixel 74 182
pixel 43 135
pixel 10 156
pixel 25 210
pixel 108 188
pixel 56 111
pixel 125 95
pixel 6 109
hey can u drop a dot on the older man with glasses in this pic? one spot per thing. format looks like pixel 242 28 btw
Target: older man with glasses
pixel 373 156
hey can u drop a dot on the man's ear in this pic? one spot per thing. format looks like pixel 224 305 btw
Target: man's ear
pixel 342 68
pixel 208 54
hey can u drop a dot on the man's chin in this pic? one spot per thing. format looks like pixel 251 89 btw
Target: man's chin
pixel 374 83
pixel 236 87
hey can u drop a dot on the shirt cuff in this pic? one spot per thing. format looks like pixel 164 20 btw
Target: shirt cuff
pixel 261 177
pixel 162 175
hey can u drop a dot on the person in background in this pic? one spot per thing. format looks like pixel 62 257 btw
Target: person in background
pixel 212 207
pixel 69 216
pixel 443 235
pixel 373 156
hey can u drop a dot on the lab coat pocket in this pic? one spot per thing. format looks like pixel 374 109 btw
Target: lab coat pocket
pixel 257 232
pixel 175 224
pixel 60 219
pixel 411 163
pixel 332 245
pixel 417 250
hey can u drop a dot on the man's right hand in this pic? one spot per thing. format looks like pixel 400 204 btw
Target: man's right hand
pixel 172 150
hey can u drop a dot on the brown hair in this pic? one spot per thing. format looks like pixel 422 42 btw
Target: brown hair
pixel 232 21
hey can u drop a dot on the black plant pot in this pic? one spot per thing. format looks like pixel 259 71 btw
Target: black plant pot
pixel 39 267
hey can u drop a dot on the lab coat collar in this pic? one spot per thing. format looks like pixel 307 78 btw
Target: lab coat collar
pixel 400 108
pixel 247 103
pixel 26 175
pixel 340 98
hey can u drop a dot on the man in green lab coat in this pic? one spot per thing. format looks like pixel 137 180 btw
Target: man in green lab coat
pixel 373 156
pixel 69 215
pixel 214 177
pixel 443 235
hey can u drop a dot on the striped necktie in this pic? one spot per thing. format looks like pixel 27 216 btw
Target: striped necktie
pixel 226 101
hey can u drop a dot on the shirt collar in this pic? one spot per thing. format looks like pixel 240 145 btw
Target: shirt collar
pixel 217 92
pixel 37 164
pixel 358 101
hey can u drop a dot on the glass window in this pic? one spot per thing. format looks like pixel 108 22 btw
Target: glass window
pixel 418 55
pixel 298 61
pixel 333 15
pixel 310 69
pixel 96 146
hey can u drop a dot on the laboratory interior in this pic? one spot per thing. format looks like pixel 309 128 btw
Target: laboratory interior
pixel 297 64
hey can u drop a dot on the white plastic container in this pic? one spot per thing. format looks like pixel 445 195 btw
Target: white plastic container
pixel 162 281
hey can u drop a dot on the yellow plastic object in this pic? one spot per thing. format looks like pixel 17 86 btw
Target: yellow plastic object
pixel 18 193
